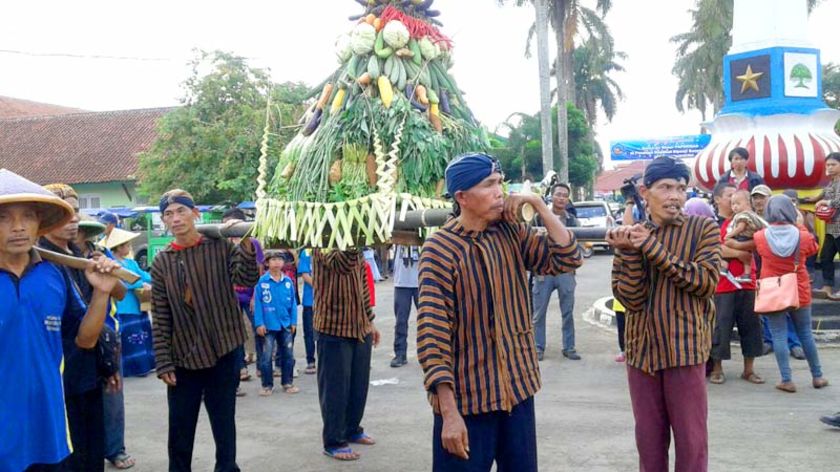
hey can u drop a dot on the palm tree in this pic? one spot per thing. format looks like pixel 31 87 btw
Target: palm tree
pixel 566 18
pixel 594 61
pixel 700 51
pixel 540 28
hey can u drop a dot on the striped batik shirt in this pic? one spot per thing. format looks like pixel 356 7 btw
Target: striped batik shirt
pixel 667 288
pixel 197 318
pixel 342 296
pixel 474 328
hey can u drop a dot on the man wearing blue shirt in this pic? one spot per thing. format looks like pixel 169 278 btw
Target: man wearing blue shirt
pixel 40 310
pixel 305 273
pixel 275 316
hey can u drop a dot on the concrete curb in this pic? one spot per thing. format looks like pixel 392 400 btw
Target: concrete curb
pixel 602 315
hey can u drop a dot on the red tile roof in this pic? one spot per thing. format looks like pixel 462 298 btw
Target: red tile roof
pixel 78 148
pixel 612 180
pixel 18 108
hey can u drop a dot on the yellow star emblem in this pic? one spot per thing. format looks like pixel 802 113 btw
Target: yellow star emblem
pixel 749 80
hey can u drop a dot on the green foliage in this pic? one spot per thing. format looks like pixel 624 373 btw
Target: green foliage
pixel 700 51
pixel 524 147
pixel 594 61
pixel 210 146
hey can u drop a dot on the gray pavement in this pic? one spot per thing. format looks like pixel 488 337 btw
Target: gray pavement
pixel 584 421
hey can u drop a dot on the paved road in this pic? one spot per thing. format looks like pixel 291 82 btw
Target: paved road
pixel 584 420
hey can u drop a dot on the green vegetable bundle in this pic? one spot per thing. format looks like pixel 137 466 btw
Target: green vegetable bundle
pixel 377 137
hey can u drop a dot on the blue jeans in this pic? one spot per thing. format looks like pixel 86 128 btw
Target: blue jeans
pixel 113 413
pixel 403 298
pixel 285 343
pixel 802 322
pixel 544 286
pixel 508 439
pixel 309 335
pixel 792 338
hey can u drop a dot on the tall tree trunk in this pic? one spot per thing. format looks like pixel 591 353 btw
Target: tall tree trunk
pixel 562 126
pixel 559 23
pixel 541 7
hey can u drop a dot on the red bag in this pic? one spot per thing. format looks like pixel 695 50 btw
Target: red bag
pixel 825 213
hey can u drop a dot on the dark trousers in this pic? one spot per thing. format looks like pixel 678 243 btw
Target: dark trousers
pixel 309 334
pixel 59 467
pixel 670 400
pixel 343 376
pixel 217 385
pixel 87 431
pixel 620 321
pixel 736 308
pixel 508 439
pixel 830 248
pixel 403 298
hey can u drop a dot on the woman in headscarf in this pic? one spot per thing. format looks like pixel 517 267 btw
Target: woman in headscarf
pixel 699 207
pixel 777 246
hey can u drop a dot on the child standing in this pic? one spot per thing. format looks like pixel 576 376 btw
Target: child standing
pixel 275 316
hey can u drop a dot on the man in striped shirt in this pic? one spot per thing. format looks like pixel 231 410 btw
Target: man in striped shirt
pixel 198 329
pixel 665 272
pixel 475 337
pixel 346 333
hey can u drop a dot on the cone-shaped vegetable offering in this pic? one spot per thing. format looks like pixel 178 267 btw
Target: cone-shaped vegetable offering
pixel 376 140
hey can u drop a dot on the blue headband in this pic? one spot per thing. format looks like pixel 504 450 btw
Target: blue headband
pixel 166 201
pixel 666 168
pixel 467 171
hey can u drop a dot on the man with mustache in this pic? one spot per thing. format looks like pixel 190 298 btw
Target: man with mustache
pixel 475 337
pixel 665 273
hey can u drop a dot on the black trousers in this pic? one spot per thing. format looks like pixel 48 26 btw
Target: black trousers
pixel 403 298
pixel 736 308
pixel 620 322
pixel 829 250
pixel 343 376
pixel 86 421
pixel 59 467
pixel 217 385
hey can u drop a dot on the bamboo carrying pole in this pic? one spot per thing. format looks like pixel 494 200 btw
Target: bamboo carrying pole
pixel 405 230
pixel 81 264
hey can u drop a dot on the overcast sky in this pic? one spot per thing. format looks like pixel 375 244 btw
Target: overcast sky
pixel 295 39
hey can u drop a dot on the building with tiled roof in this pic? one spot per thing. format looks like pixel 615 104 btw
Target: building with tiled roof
pixel 19 108
pixel 95 152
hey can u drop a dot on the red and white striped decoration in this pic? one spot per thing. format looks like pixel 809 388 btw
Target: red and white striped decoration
pixel 787 150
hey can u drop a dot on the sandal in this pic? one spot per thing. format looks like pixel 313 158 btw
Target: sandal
pixel 820 382
pixel 310 369
pixel 244 375
pixel 266 391
pixel 290 389
pixel 788 387
pixel 752 377
pixel 341 453
pixel 122 461
pixel 363 439
pixel 717 378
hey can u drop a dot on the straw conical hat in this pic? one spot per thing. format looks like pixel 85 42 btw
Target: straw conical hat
pixel 90 227
pixel 54 211
pixel 119 237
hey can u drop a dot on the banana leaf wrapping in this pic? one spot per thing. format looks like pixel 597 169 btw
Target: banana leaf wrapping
pixel 376 139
